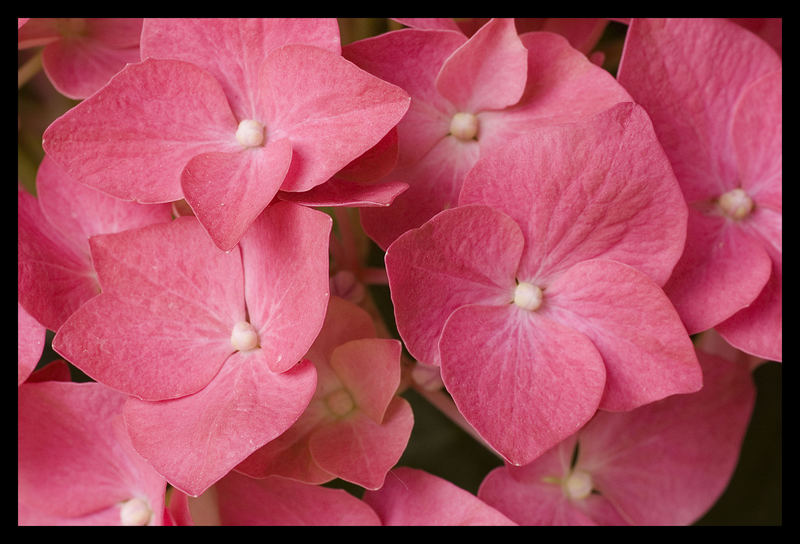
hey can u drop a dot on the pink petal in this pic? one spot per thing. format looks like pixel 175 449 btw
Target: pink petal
pixel 609 192
pixel 342 192
pixel 667 463
pixel 54 371
pixel 488 72
pixel 434 185
pixel 168 295
pixel 563 86
pixel 688 74
pixel 232 50
pixel 79 67
pixel 769 29
pixel 116 32
pixel 278 501
pixel 360 450
pixel 374 163
pixel 133 138
pixel 53 280
pixel 332 111
pixel 757 132
pixel 414 497
pixel 583 34
pixel 30 343
pixel 647 353
pixel 758 328
pixel 195 440
pixel 285 259
pixel 370 370
pixel 429 23
pixel 65 203
pixel 227 191
pixel 74 455
pixel 511 376
pixel 37 31
pixel 723 269
pixel 435 269
pixel 411 59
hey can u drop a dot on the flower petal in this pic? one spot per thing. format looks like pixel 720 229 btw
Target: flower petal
pixel 134 137
pixel 647 353
pixel 438 267
pixel 342 192
pixel 523 381
pixel 197 439
pixel 488 72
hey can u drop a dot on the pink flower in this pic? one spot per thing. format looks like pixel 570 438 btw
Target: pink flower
pixel 714 91
pixel 81 55
pixel 54 267
pixel 206 342
pixel 665 463
pixel 470 96
pixel 539 295
pixel 355 427
pixel 225 113
pixel 76 465
pixel 415 497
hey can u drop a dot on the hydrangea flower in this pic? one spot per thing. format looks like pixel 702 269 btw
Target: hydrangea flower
pixel 224 113
pixel 539 295
pixel 54 267
pixel 714 93
pixel 414 497
pixel 76 464
pixel 355 427
pixel 81 55
pixel 662 464
pixel 469 96
pixel 208 344
pixel 30 343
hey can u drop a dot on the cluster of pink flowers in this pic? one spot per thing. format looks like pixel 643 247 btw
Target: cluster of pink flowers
pixel 585 265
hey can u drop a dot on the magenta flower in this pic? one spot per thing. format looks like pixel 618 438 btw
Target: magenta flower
pixel 54 267
pixel 82 55
pixel 76 465
pixel 355 427
pixel 206 342
pixel 539 295
pixel 415 497
pixel 224 113
pixel 662 464
pixel 714 91
pixel 470 96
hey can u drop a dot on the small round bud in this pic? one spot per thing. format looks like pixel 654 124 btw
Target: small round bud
pixel 736 204
pixel 244 336
pixel 340 402
pixel 578 485
pixel 464 126
pixel 135 511
pixel 528 296
pixel 250 133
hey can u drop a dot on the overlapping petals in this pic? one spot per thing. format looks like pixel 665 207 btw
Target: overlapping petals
pixel 507 83
pixel 166 128
pixel 522 370
pixel 662 464
pixel 76 464
pixel 719 117
pixel 81 55
pixel 355 428
pixel 162 331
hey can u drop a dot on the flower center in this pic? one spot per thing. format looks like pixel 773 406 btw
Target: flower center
pixel 250 133
pixel 578 485
pixel 527 296
pixel 736 204
pixel 464 126
pixel 340 402
pixel 244 336
pixel 135 511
